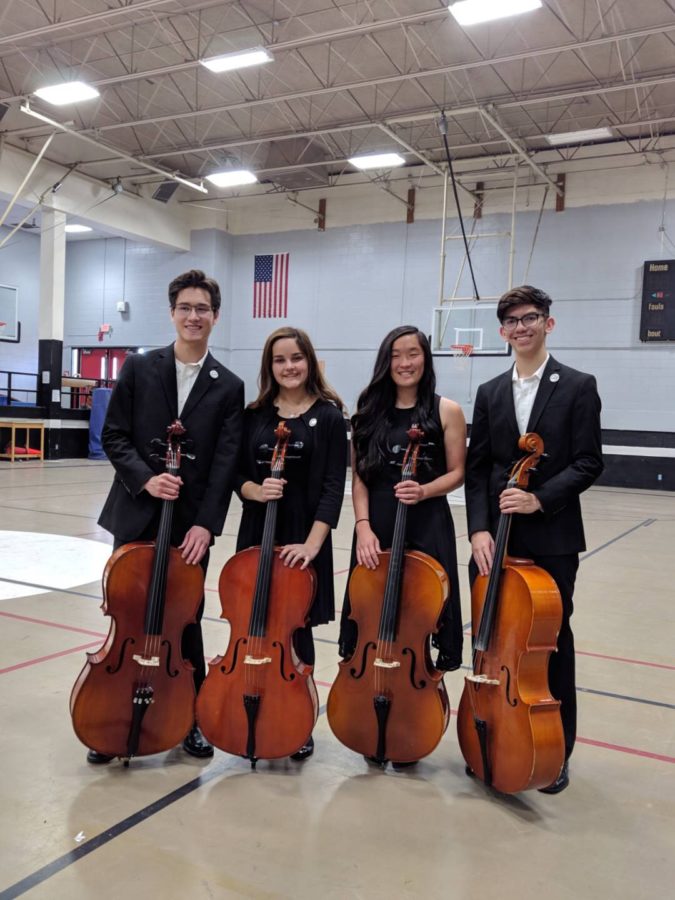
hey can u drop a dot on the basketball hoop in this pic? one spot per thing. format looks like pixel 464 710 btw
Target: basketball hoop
pixel 461 350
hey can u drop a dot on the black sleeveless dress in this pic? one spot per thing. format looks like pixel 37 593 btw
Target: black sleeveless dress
pixel 429 528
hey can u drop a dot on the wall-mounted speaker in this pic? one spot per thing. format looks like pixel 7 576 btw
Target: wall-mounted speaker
pixel 165 191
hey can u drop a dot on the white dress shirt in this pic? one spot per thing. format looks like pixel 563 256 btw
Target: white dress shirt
pixel 524 393
pixel 186 375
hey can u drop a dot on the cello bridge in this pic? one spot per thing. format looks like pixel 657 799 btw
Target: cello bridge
pixel 482 679
pixel 145 660
pixel 387 663
pixel 256 661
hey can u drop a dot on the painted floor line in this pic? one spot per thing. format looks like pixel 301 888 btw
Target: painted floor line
pixel 41 659
pixel 142 815
pixel 9 615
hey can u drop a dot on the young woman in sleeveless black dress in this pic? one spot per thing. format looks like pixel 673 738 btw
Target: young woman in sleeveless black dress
pixel 402 392
pixel 292 388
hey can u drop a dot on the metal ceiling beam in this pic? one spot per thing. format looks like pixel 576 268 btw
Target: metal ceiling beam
pixel 488 114
pixel 83 20
pixel 389 79
pixel 25 108
pixel 33 167
pixel 275 47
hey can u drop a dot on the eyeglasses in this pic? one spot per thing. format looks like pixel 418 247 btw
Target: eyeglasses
pixel 510 323
pixel 185 309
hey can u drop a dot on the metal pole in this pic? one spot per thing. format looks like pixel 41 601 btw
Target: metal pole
pixel 33 167
pixel 445 212
pixel 512 251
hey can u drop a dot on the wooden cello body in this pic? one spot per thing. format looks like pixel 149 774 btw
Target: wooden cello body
pixel 388 701
pixel 135 695
pixel 259 700
pixel 508 723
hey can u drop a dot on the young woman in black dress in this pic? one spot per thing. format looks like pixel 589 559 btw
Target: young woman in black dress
pixel 401 393
pixel 292 388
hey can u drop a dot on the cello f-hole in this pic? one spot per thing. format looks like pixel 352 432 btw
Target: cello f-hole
pixel 113 670
pixel 507 689
pixel 408 651
pixel 356 674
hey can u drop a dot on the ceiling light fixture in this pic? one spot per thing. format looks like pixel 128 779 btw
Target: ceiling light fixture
pixel 471 12
pixel 377 161
pixel 579 137
pixel 77 229
pixel 68 92
pixel 241 59
pixel 231 178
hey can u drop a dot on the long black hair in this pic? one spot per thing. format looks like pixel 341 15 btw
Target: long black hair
pixel 374 410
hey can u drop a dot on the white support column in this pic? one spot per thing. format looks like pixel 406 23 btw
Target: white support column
pixel 52 275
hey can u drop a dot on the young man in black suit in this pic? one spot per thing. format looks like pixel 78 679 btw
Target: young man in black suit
pixel 182 381
pixel 561 405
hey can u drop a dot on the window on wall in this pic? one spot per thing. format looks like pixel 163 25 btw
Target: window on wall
pixel 10 327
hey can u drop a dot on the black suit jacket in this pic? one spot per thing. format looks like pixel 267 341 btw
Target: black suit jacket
pixel 143 404
pixel 566 415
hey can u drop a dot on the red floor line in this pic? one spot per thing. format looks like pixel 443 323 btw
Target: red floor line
pixel 40 659
pixel 620 749
pixel 636 662
pixel 52 624
pixel 624 659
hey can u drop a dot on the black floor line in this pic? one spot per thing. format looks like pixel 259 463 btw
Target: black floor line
pixel 50 588
pixel 643 524
pixel 626 697
pixel 43 874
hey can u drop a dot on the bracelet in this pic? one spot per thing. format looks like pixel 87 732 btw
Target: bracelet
pixel 361 520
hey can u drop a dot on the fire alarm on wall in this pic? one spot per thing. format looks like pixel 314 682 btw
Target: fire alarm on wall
pixel 122 306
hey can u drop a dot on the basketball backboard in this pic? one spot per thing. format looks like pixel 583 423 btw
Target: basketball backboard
pixel 457 324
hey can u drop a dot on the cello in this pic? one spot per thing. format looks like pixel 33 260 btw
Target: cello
pixel 508 723
pixel 259 700
pixel 135 695
pixel 388 701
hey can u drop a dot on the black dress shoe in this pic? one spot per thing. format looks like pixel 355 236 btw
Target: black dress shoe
pixel 404 765
pixel 560 783
pixel 196 744
pixel 305 751
pixel 98 759
pixel 469 772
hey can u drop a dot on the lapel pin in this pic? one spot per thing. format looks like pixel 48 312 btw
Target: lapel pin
pixel 214 374
pixel 554 377
pixel 312 423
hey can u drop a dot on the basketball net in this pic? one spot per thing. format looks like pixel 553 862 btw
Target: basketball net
pixel 461 390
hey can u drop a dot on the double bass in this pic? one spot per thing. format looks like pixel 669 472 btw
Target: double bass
pixel 388 701
pixel 135 695
pixel 259 700
pixel 508 723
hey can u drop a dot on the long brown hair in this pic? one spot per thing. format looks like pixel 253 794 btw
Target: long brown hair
pixel 268 388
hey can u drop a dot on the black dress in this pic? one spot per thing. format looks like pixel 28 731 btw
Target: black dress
pixel 314 470
pixel 429 528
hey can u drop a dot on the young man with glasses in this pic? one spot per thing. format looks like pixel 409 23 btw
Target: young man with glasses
pixel 561 405
pixel 182 381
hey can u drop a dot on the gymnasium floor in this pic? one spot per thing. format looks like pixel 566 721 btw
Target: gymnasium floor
pixel 171 826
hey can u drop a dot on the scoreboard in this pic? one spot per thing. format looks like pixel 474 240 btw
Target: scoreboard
pixel 657 322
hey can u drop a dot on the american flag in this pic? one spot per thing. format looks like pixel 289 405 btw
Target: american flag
pixel 270 286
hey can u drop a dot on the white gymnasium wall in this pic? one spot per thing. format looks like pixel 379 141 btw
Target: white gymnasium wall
pixel 352 283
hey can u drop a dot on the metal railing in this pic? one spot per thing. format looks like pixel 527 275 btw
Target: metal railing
pixel 14 390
